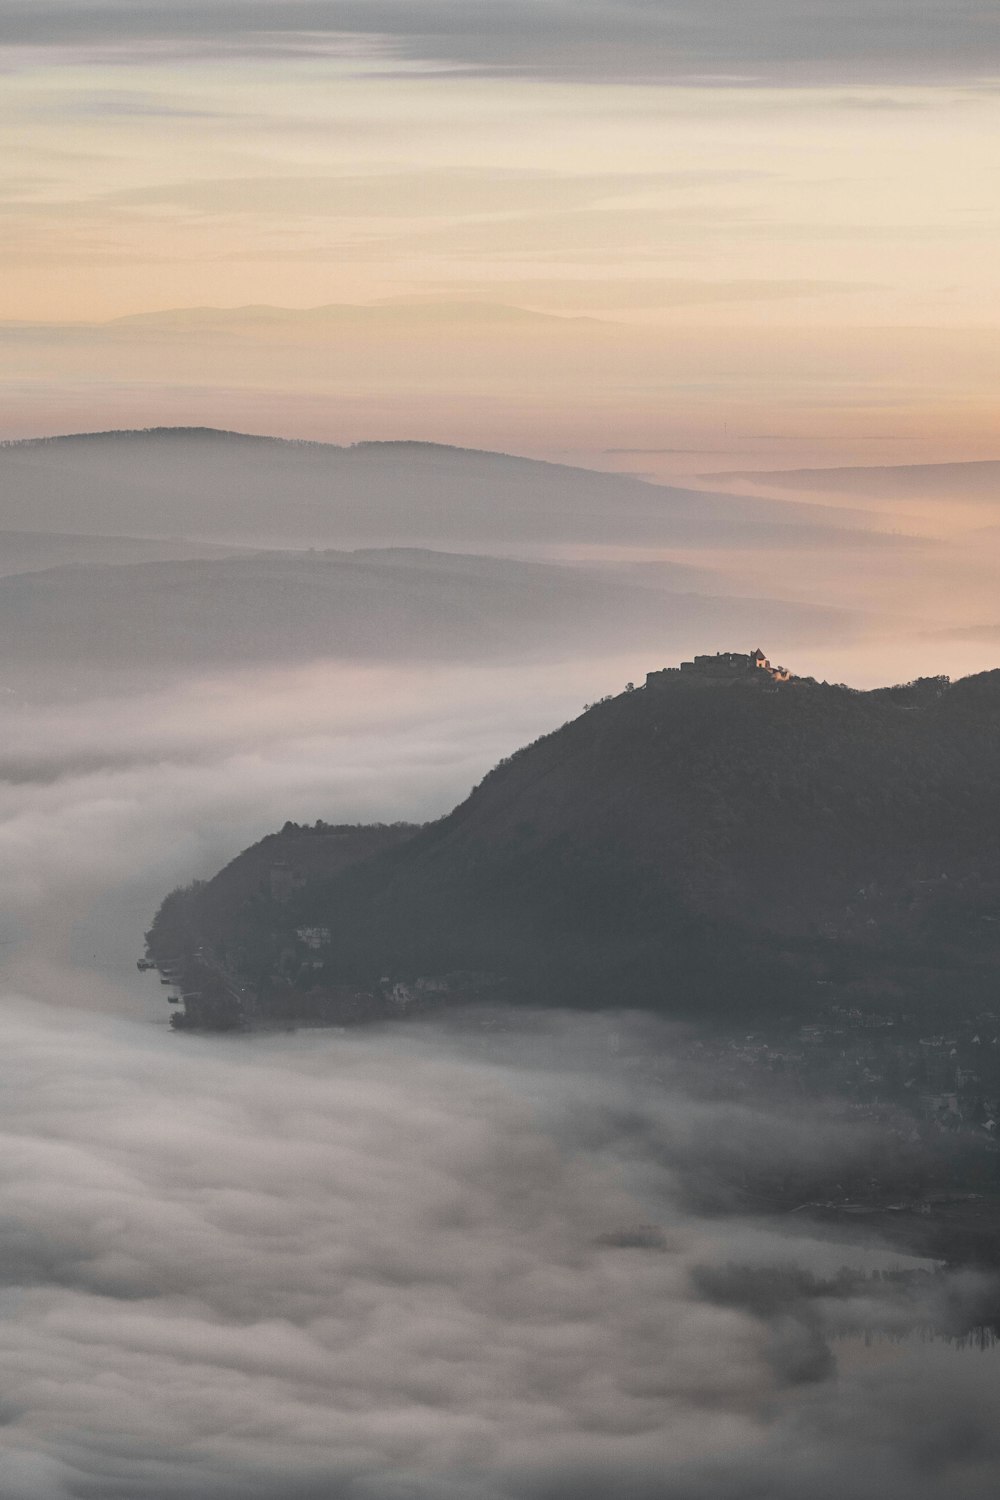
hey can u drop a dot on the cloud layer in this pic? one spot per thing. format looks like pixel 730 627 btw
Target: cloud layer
pixel 605 40
pixel 386 1266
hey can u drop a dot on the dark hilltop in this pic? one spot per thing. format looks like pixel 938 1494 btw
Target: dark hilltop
pixel 726 842
pixel 806 877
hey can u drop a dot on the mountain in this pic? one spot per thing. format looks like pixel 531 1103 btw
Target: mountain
pixel 391 604
pixel 33 551
pixel 390 314
pixel 215 486
pixel 701 845
pixel 973 480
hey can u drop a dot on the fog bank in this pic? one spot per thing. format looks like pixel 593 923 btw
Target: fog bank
pixel 380 1264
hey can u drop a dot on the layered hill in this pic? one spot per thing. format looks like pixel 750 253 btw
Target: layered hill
pixel 264 492
pixel 975 480
pixel 696 845
pixel 35 551
pixel 395 604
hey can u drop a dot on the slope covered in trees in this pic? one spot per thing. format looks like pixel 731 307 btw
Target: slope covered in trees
pixel 693 848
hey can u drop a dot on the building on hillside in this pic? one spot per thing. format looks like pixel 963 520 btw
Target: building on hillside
pixel 750 667
pixel 314 937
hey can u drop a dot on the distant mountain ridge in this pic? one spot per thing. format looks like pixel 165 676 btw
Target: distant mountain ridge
pixel 389 310
pixel 238 488
pixel 969 479
pixel 370 604
pixel 36 551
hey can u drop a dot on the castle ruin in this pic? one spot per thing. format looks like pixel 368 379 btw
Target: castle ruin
pixel 752 668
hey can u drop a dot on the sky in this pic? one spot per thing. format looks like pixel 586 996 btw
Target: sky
pixel 759 232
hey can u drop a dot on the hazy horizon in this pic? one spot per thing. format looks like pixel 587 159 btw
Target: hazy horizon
pixel 698 238
pixel 863 576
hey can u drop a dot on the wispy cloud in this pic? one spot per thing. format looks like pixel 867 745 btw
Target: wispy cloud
pixel 454 192
pixel 625 40
pixel 622 293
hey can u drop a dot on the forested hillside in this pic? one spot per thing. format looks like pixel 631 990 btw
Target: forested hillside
pixel 693 848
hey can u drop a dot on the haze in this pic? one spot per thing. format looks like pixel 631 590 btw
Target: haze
pixel 382 383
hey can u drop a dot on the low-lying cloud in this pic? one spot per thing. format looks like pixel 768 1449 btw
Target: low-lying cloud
pixel 114 792
pixel 384 1264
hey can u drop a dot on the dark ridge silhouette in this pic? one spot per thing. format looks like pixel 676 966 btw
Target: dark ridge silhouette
pixel 704 846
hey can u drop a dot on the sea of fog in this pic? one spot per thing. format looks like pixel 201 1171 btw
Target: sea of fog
pixel 443 1262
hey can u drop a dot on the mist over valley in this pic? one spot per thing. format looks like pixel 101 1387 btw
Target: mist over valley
pixel 494 1241
pixel 499 727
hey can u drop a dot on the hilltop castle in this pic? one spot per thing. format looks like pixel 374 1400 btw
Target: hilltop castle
pixel 752 668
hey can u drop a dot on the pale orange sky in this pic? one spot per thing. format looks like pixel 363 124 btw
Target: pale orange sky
pixel 778 273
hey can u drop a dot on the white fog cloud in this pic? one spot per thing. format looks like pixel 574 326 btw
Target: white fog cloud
pixel 109 801
pixel 372 1265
